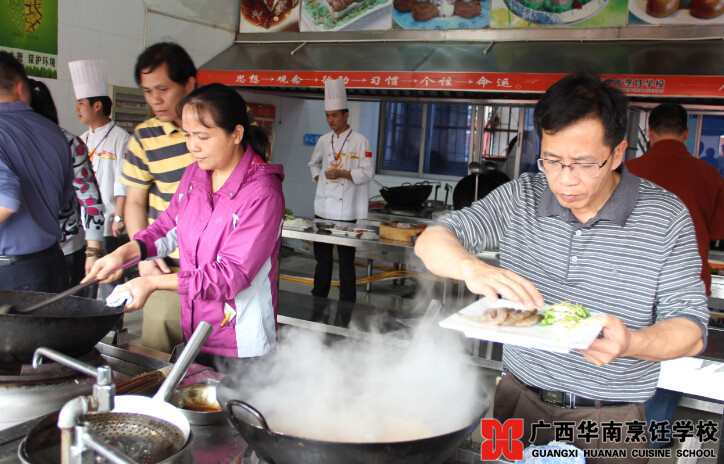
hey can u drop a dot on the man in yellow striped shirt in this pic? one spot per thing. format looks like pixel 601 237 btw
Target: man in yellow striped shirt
pixel 155 161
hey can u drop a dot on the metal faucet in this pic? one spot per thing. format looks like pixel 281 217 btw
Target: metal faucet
pixel 75 436
pixel 104 390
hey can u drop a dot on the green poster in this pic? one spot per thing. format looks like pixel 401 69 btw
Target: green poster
pixel 29 30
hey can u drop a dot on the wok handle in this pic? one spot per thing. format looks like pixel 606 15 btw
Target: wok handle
pixel 70 291
pixel 251 410
pixel 189 353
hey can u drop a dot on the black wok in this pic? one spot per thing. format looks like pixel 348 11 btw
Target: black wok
pixel 71 326
pixel 279 448
pixel 406 196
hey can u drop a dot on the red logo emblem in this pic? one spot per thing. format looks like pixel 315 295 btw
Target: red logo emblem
pixel 368 154
pixel 502 439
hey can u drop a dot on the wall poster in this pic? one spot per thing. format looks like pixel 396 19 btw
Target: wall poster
pixel 269 16
pixel 348 15
pixel 264 118
pixel 560 13
pixel 29 30
pixel 676 12
pixel 441 14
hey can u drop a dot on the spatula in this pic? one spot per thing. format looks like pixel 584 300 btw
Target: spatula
pixel 10 309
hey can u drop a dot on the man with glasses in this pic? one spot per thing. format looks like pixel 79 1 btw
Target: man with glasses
pixel 584 230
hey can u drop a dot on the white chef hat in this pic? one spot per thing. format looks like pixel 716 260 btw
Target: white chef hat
pixel 335 98
pixel 90 78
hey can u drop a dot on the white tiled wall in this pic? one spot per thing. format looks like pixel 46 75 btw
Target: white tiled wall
pixel 113 30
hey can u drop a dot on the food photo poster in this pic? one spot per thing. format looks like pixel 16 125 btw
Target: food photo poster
pixel 346 15
pixel 355 15
pixel 676 12
pixel 269 16
pixel 558 13
pixel 441 14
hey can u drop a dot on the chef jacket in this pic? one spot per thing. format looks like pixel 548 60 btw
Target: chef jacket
pixel 342 199
pixel 107 149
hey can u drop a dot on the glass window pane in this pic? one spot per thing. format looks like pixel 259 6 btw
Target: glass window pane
pixel 448 135
pixel 691 124
pixel 403 123
pixel 712 138
pixel 531 145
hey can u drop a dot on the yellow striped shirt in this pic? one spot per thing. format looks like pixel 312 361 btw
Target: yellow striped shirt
pixel 156 158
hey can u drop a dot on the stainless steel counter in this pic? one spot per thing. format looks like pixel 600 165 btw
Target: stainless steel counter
pixel 391 250
pixel 212 444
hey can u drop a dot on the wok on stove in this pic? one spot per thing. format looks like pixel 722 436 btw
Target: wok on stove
pixel 280 448
pixel 71 326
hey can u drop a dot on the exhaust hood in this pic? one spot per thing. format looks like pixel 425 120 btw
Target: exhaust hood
pixel 443 65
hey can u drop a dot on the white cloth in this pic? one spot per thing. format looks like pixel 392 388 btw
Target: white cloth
pixel 90 78
pixel 335 97
pixel 119 296
pixel 342 199
pixel 108 159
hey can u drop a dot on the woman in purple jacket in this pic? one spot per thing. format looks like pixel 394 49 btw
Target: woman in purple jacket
pixel 226 219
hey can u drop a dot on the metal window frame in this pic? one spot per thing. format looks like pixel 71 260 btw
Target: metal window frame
pixel 475 130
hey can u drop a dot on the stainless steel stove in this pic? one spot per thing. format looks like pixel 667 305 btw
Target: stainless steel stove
pixel 27 392
pixel 211 444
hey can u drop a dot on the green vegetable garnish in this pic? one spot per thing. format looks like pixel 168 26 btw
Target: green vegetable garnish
pixel 288 214
pixel 565 314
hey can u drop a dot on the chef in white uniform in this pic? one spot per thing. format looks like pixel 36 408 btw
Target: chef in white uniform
pixel 106 142
pixel 342 165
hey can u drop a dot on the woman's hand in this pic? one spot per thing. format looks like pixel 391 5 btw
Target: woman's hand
pixel 106 269
pixel 140 288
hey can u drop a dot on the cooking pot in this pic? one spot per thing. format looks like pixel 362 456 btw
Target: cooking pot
pixel 71 326
pixel 280 448
pixel 464 191
pixel 406 196
pixel 42 445
pixel 198 403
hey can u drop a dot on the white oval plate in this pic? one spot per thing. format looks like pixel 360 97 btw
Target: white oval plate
pixel 549 338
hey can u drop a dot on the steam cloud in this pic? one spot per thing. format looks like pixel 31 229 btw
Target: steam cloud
pixel 361 392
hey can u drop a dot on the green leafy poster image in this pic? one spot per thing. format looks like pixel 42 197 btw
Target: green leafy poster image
pixel 29 30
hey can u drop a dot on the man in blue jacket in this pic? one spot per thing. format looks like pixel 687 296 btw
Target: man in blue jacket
pixel 36 176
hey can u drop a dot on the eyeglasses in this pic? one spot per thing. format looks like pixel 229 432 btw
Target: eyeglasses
pixel 554 167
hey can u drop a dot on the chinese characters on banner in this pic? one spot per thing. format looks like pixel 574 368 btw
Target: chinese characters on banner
pixel 264 118
pixel 670 86
pixel 29 30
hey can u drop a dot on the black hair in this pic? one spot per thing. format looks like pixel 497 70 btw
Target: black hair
pixel 11 71
pixel 41 100
pixel 258 141
pixel 105 101
pixel 668 118
pixel 180 65
pixel 224 106
pixel 578 96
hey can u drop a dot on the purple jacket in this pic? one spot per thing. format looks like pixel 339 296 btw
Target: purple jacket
pixel 228 247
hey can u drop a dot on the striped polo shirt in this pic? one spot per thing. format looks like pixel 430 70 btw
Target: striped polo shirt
pixel 156 159
pixel 637 259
